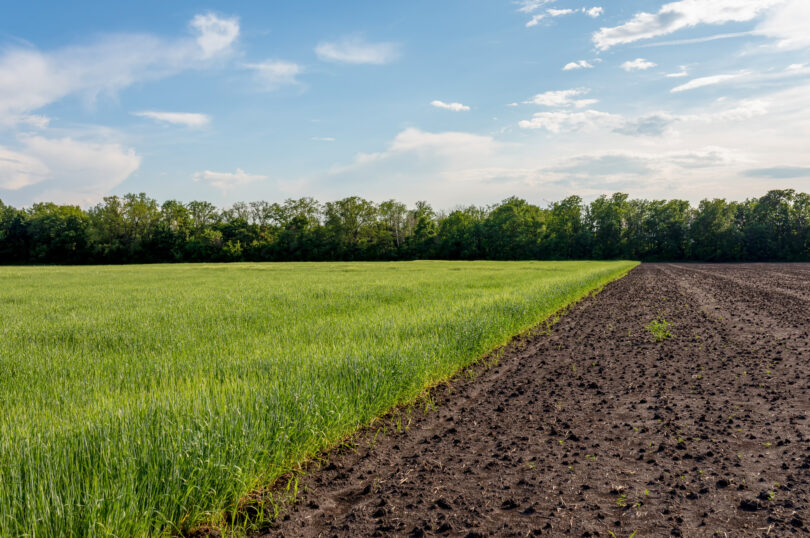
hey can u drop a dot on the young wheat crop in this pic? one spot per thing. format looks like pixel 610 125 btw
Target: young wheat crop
pixel 143 400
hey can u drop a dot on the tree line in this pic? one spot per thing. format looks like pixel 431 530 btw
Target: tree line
pixel 135 228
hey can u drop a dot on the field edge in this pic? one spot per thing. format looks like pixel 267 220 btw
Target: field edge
pixel 281 493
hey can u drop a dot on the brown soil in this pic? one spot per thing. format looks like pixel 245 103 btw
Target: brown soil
pixel 595 429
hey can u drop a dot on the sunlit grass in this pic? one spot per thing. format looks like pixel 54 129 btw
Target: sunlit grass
pixel 140 400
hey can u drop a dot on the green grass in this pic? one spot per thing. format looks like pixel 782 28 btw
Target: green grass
pixel 143 400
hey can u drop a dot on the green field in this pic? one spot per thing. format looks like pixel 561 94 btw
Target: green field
pixel 141 400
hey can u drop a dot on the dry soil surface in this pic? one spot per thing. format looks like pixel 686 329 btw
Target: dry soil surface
pixel 596 429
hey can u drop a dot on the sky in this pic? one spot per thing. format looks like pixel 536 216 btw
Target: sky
pixel 454 102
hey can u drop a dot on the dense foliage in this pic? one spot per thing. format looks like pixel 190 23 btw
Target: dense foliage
pixel 135 228
pixel 146 400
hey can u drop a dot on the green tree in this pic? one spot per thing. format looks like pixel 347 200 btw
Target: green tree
pixel 58 233
pixel 606 221
pixel 460 235
pixel 350 226
pixel 393 218
pixel 713 233
pixel 420 232
pixel 513 230
pixel 14 240
pixel 669 225
pixel 565 236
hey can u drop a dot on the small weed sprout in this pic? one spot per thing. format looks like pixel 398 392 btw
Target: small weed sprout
pixel 659 328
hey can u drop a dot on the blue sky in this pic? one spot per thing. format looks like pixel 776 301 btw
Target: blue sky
pixel 453 102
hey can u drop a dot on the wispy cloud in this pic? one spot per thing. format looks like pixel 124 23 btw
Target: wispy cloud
pixel 747 76
pixel 530 6
pixel 535 20
pixel 32 79
pixel 214 34
pixel 567 120
pixel 71 170
pixel 780 172
pixel 559 12
pixel 186 119
pixel 18 170
pixel 651 125
pixel 562 98
pixel 639 64
pixel 788 25
pixel 679 74
pixel 447 142
pixel 681 14
pixel 356 50
pixel 272 74
pixel 695 40
pixel 455 107
pixel 581 64
pixel 593 12
pixel 712 80
pixel 227 180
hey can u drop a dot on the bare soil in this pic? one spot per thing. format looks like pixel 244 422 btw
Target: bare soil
pixel 596 429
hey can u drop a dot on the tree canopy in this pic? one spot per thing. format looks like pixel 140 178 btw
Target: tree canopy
pixel 137 229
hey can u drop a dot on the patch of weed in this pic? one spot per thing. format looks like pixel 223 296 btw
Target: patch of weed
pixel 659 328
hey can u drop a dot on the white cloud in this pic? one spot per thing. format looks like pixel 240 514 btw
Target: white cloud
pixel 678 15
pixel 35 121
pixel 679 74
pixel 447 146
pixel 227 180
pixel 694 40
pixel 18 170
pixel 788 25
pixel 535 20
pixel 215 35
pixel 31 79
pixel 355 50
pixel 738 111
pixel 661 123
pixel 712 80
pixel 418 165
pixel 323 138
pixel 559 121
pixel 273 74
pixel 639 64
pixel 455 107
pixel 603 164
pixel 702 151
pixel 593 12
pixel 581 64
pixel 70 170
pixel 649 125
pixel 187 119
pixel 530 6
pixel 562 98
pixel 747 77
pixel 447 143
